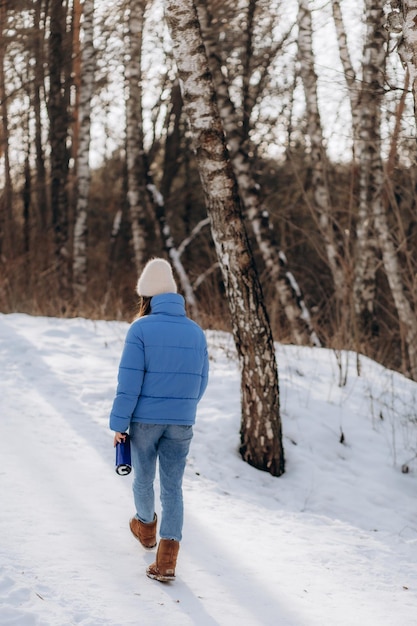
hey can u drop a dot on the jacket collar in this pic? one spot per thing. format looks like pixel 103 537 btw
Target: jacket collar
pixel 168 303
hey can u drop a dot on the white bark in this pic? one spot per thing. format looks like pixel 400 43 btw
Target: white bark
pixel 403 18
pixel 348 69
pixel 287 290
pixel 134 132
pixel 322 200
pixel 371 175
pixel 406 314
pixel 261 439
pixel 83 167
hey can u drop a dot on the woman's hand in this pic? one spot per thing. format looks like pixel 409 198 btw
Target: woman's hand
pixel 119 438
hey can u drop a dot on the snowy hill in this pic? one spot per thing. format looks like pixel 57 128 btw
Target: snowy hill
pixel 333 542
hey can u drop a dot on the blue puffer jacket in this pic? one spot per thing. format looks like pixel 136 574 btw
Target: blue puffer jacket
pixel 163 371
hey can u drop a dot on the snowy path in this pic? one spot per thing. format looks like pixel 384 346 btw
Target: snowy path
pixel 66 554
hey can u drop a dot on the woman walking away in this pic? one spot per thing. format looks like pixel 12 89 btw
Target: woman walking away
pixel 163 374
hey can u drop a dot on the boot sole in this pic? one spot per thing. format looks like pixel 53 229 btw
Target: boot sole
pixel 160 578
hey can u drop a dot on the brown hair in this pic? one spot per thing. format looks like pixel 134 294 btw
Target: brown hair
pixel 144 306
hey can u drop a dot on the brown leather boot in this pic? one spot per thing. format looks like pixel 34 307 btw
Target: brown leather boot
pixel 166 559
pixel 145 533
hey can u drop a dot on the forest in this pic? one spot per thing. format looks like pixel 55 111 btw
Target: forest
pixel 102 165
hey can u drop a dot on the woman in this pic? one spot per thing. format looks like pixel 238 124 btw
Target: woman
pixel 163 374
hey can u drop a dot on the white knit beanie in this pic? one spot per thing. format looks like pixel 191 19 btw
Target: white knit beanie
pixel 156 278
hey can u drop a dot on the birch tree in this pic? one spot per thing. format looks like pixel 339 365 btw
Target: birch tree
pixel 83 152
pixel 136 194
pixel 364 106
pixel 408 320
pixel 147 203
pixel 237 129
pixel 322 201
pixel 403 19
pixel 261 438
pixel 369 158
pixel 348 69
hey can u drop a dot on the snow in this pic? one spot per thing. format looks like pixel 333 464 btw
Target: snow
pixel 333 542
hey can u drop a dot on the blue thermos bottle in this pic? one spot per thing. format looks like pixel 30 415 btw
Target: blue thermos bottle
pixel 123 459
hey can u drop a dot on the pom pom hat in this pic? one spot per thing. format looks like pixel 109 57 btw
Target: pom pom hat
pixel 156 278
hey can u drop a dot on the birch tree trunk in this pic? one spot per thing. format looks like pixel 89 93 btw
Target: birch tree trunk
pixel 348 69
pixel 392 267
pixel 136 194
pixel 261 438
pixel 403 18
pixel 237 131
pixel 362 105
pixel 83 153
pixel 322 200
pixel 371 174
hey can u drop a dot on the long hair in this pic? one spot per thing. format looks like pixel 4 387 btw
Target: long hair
pixel 144 307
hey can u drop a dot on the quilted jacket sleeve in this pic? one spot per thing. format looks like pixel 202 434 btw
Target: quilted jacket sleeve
pixel 130 379
pixel 204 375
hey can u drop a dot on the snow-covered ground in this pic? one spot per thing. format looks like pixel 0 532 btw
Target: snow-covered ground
pixel 333 542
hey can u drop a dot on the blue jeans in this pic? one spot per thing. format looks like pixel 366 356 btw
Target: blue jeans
pixel 169 444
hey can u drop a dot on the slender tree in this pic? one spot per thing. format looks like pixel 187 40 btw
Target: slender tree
pixel 371 173
pixel 38 98
pixel 348 69
pixel 136 171
pixel 58 102
pixel 261 438
pixel 237 131
pixel 6 231
pixel 364 106
pixel 403 19
pixel 78 8
pixel 147 203
pixel 83 153
pixel 392 266
pixel 322 202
